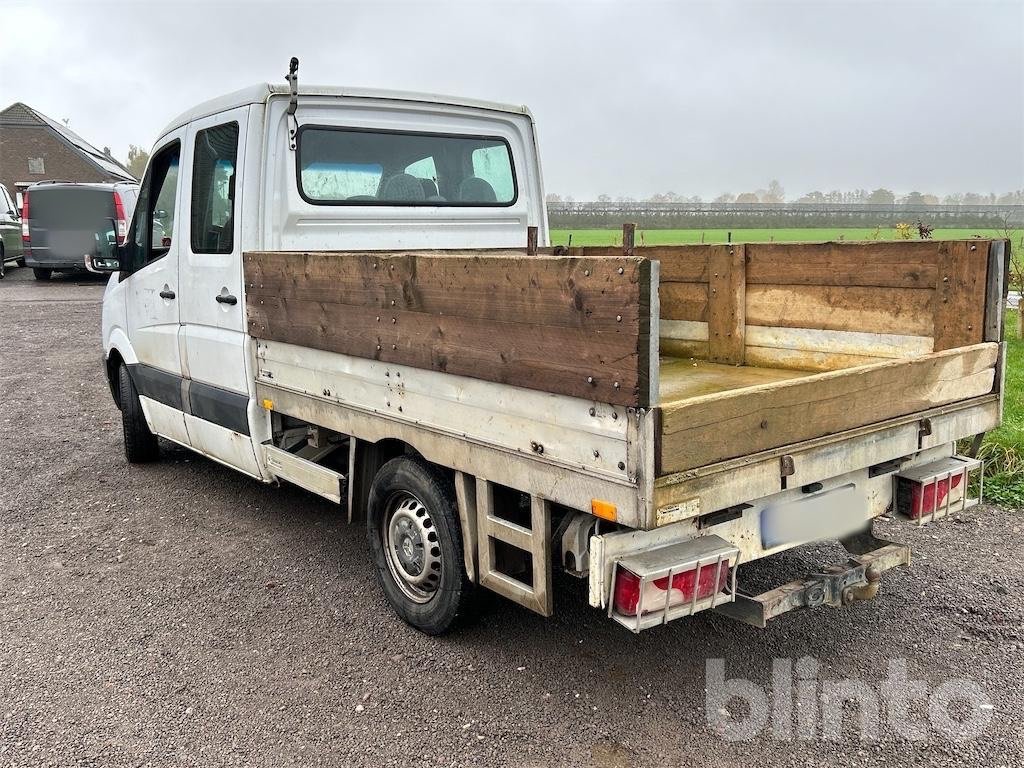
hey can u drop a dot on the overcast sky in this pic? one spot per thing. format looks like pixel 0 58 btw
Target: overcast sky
pixel 630 98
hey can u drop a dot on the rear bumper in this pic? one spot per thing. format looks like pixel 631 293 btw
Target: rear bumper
pixel 60 263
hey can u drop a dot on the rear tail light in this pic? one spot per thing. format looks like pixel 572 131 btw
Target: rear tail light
pixel 925 499
pixel 652 586
pixel 121 222
pixel 690 586
pixel 937 488
pixel 25 237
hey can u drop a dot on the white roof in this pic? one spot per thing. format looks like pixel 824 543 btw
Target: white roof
pixel 258 94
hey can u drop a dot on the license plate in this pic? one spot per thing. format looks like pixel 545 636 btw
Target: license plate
pixel 832 514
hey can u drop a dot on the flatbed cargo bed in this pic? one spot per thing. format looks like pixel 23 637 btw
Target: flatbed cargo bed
pixel 642 369
pixel 683 378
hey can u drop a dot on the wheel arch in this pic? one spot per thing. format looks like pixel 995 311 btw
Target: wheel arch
pixel 120 352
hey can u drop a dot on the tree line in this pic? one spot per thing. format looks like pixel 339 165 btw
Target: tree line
pixel 775 193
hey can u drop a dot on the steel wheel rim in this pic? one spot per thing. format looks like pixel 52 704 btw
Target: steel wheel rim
pixel 411 547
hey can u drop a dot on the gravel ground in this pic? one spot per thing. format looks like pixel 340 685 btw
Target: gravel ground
pixel 182 614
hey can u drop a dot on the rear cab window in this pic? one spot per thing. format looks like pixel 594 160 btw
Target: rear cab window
pixel 350 166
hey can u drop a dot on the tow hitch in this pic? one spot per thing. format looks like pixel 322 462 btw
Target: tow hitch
pixel 838 585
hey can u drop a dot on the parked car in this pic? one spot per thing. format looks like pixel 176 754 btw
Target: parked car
pixel 66 220
pixel 10 232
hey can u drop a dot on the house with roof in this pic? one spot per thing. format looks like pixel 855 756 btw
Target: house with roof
pixel 34 148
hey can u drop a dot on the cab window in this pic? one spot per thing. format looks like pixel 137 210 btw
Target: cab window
pixel 213 189
pixel 153 227
pixel 351 166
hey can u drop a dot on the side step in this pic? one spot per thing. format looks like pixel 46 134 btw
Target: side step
pixel 305 473
pixel 535 541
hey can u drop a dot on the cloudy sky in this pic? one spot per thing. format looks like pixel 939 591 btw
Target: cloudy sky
pixel 630 98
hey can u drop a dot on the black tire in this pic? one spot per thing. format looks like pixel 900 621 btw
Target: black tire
pixel 20 262
pixel 445 597
pixel 140 445
pixel 41 273
pixel 3 264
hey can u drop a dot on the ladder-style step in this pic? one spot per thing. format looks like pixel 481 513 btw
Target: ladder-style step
pixel 534 541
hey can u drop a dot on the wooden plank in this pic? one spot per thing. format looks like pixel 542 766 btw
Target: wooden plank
pixel 806 360
pixel 679 263
pixel 684 330
pixel 504 286
pixel 685 348
pixel 547 358
pixel 843 342
pixel 873 264
pixel 717 427
pixel 960 294
pixel 906 311
pixel 578 327
pixel 726 304
pixel 684 301
pixel 684 379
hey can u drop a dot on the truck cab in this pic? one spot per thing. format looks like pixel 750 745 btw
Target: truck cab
pixel 370 170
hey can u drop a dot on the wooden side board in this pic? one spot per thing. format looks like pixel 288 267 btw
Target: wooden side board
pixel 878 264
pixel 931 293
pixel 713 428
pixel 566 325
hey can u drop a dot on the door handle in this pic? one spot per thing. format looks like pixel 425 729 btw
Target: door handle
pixel 226 298
pixel 166 294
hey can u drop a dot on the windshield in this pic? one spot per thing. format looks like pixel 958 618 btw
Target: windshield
pixel 343 166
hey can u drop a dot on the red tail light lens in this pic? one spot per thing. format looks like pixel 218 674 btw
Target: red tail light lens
pixel 119 218
pixel 930 497
pixel 24 219
pixel 711 579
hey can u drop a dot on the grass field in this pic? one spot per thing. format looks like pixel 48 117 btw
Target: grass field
pixel 686 236
pixel 1003 449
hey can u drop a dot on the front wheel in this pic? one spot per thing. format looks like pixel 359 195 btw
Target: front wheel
pixel 415 537
pixel 140 445
pixel 41 273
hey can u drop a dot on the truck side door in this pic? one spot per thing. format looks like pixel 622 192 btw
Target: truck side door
pixel 212 306
pixel 152 293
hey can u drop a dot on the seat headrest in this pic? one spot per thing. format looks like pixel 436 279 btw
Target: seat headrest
pixel 402 188
pixel 429 188
pixel 476 190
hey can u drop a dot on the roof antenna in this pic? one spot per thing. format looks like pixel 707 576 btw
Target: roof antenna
pixel 293 81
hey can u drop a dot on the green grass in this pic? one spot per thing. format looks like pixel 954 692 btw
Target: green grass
pixel 1003 449
pixel 687 236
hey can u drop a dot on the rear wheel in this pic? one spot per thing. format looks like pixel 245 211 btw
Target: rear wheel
pixel 20 262
pixel 140 445
pixel 3 265
pixel 41 273
pixel 414 533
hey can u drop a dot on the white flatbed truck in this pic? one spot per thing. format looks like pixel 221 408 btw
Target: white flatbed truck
pixel 352 291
